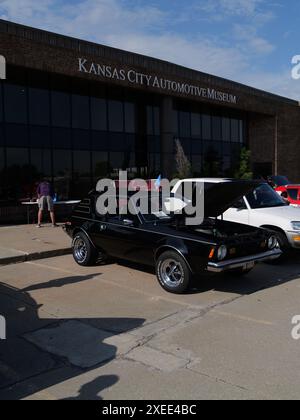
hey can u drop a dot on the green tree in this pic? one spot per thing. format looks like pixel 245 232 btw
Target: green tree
pixel 244 169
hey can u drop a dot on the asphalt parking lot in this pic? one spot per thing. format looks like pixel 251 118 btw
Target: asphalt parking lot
pixel 111 332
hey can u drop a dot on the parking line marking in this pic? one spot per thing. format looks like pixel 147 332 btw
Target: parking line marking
pixel 243 318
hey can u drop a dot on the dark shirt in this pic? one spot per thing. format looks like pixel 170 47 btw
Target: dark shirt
pixel 45 189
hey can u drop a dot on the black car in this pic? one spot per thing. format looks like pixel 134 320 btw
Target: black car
pixel 177 251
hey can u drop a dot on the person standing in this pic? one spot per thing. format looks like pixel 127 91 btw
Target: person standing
pixel 45 195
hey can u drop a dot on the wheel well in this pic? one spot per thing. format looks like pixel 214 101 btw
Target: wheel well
pixel 166 248
pixel 79 230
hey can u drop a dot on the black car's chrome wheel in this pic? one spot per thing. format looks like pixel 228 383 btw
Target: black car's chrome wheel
pixel 80 251
pixel 83 251
pixel 172 272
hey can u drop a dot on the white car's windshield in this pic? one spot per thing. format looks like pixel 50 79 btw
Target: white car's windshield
pixel 264 197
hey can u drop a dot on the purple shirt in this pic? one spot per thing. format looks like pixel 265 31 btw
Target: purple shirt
pixel 45 189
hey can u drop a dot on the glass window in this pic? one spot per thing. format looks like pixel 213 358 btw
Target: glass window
pixel 100 164
pixel 99 114
pixel 1 107
pixel 61 109
pixel 38 106
pixel 16 135
pixel 80 112
pixel 40 137
pixel 216 128
pixel 15 103
pixel 156 121
pixel 62 169
pixel 235 130
pixel 81 163
pixel 117 142
pixel 241 123
pixel 206 127
pixel 184 124
pixel 150 124
pixel 2 138
pixel 99 140
pixel 17 157
pixel 116 117
pixel 81 139
pixel 117 161
pixel 175 123
pixel 196 165
pixel 129 117
pixel 225 129
pixel 40 159
pixel 196 146
pixel 196 125
pixel 61 138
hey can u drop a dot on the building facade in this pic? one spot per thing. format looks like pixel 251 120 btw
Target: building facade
pixel 74 112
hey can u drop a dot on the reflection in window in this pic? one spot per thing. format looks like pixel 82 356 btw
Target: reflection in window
pixel 129 117
pixel 62 170
pixel 206 127
pixel 154 164
pixel 81 164
pixel 184 124
pixel 225 129
pixel 19 174
pixel 196 165
pixel 61 138
pixel 16 135
pixel 40 137
pixel 61 109
pixel 100 164
pixel 15 103
pixel 156 116
pixel 235 130
pixel 38 106
pixel 196 125
pixel 40 159
pixel 216 128
pixel 116 117
pixel 117 142
pixel 80 112
pixel 99 140
pixel 1 107
pixel 196 146
pixel 241 123
pixel 99 114
pixel 81 140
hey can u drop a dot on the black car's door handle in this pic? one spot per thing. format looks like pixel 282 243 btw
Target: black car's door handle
pixel 102 227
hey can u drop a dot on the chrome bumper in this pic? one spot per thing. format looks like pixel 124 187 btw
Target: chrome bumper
pixel 244 263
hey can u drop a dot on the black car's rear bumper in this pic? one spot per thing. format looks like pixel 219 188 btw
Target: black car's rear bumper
pixel 243 263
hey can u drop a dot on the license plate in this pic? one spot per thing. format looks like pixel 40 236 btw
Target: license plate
pixel 249 265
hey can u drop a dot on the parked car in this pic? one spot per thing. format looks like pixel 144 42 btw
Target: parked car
pixel 263 208
pixel 163 240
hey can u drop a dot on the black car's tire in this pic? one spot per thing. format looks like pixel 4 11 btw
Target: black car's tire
pixel 173 272
pixel 83 251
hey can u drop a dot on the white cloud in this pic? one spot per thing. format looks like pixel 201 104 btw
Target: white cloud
pixel 146 30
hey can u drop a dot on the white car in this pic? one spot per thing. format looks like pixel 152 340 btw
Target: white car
pixel 262 207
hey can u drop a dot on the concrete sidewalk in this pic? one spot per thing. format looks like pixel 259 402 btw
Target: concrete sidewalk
pixel 26 243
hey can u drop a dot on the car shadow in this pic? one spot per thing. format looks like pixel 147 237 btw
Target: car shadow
pixel 27 368
pixel 263 276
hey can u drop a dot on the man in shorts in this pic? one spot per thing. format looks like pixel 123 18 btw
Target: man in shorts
pixel 45 195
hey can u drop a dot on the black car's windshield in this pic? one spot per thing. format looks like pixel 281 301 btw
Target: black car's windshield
pixel 264 197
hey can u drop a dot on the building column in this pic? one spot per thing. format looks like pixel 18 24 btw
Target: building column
pixel 167 137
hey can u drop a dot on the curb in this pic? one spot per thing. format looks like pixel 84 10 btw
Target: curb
pixel 35 256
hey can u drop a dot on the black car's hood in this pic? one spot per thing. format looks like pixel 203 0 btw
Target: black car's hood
pixel 219 197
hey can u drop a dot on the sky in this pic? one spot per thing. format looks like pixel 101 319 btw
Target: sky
pixel 248 41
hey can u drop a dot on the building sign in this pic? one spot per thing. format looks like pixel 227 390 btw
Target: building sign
pixel 143 79
pixel 2 67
